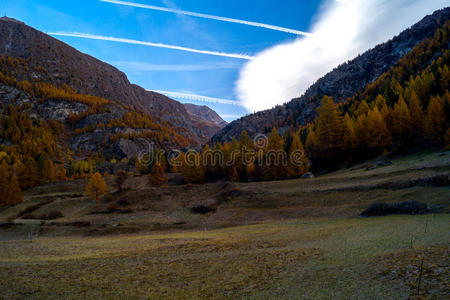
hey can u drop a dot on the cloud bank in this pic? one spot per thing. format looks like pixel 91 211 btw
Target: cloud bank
pixel 206 16
pixel 158 45
pixel 342 30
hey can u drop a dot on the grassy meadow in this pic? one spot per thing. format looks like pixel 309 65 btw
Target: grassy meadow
pixel 308 258
pixel 295 239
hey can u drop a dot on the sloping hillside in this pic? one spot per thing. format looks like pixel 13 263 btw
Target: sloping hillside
pixel 141 207
pixel 46 59
pixel 341 83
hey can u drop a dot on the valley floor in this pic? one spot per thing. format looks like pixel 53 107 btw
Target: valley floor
pixel 297 239
pixel 345 258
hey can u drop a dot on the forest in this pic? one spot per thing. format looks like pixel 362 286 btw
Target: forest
pixel 406 110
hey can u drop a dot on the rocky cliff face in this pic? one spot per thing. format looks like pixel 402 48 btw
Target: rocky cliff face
pixel 50 60
pixel 88 142
pixel 340 84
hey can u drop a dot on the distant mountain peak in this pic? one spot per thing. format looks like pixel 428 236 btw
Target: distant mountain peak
pixel 205 113
pixel 7 19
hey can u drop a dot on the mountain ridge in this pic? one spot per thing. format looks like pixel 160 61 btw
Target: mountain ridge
pixel 52 60
pixel 341 83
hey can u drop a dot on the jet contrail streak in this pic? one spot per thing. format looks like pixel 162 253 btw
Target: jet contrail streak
pixel 231 116
pixel 198 98
pixel 159 45
pixel 211 17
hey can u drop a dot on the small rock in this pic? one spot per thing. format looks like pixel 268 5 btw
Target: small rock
pixel 384 163
pixel 308 175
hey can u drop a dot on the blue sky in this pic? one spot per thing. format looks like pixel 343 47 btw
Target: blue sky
pixel 284 64
pixel 166 69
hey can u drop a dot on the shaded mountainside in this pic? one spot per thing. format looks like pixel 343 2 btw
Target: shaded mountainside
pixel 342 83
pixel 50 60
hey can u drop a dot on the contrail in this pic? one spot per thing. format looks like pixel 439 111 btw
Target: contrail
pixel 198 98
pixel 159 45
pixel 211 17
pixel 231 116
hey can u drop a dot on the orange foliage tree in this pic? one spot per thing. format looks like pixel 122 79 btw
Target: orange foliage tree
pixel 157 177
pixel 10 193
pixel 96 186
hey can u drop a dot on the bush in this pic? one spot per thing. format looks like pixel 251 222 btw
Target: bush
pixel 202 209
pixel 398 208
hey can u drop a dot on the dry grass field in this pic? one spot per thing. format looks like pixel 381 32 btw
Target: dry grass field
pixel 297 239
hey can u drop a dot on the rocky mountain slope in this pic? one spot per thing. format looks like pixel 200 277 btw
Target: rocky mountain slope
pixel 109 130
pixel 341 83
pixel 46 59
pixel 205 118
pixel 204 113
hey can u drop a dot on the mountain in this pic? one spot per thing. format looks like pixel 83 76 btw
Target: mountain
pixel 204 113
pixel 42 119
pixel 46 59
pixel 205 118
pixel 343 82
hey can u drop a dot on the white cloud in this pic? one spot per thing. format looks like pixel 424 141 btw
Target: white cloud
pixel 343 29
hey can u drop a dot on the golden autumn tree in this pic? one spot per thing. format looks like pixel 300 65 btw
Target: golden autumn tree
pixel 329 128
pixel 60 173
pixel 363 109
pixel 360 132
pixel 51 170
pixel 380 103
pixel 16 196
pixel 377 135
pixel 400 118
pixel 298 162
pixel 311 142
pixel 275 157
pixel 349 133
pixel 192 169
pixel 120 179
pixel 415 108
pixel 157 176
pixel 10 193
pixel 27 173
pixel 96 186
pixel 245 140
pixel 447 139
pixel 435 120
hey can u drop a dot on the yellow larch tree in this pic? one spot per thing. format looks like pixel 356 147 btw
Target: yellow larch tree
pixel 96 186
